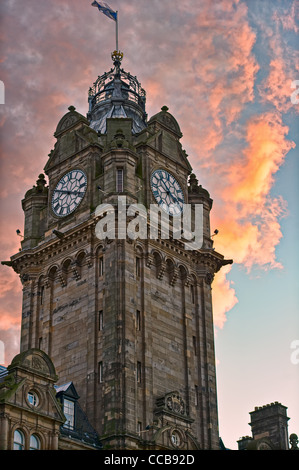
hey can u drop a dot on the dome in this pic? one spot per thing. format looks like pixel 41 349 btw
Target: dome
pixel 116 94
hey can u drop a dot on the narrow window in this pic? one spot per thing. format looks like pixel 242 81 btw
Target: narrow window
pixel 196 395
pixel 40 342
pixel 138 372
pixel 119 180
pixel 101 320
pixel 139 427
pixel 138 320
pixel 195 345
pixel 42 293
pixel 192 294
pixel 100 372
pixel 101 266
pixel 160 140
pixel 137 267
pixel 69 413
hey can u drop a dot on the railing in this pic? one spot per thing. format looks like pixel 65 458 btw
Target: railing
pixel 104 86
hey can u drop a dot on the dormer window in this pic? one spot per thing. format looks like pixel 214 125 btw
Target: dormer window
pixel 76 424
pixel 69 413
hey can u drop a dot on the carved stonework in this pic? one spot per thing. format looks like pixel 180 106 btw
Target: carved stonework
pixel 172 403
pixel 174 276
pixel 175 403
pixel 209 278
pixel 149 260
pixel 34 360
pixel 161 270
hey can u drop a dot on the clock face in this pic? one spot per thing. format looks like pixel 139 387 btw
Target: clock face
pixel 69 192
pixel 167 192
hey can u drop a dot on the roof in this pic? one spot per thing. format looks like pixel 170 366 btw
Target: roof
pixel 62 388
pixel 3 372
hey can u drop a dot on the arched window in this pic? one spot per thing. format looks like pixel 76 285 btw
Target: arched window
pixel 34 442
pixel 18 440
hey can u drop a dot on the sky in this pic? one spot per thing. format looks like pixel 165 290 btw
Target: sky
pixel 227 71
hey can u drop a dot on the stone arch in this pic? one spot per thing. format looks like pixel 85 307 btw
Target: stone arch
pixel 100 248
pixel 158 263
pixel 171 270
pixel 183 272
pixel 34 360
pixel 81 258
pixel 52 273
pixel 162 438
pixel 139 250
pixel 80 264
pixel 66 269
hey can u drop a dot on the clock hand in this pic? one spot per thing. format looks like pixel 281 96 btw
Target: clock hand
pixel 175 200
pixel 69 192
pixel 167 190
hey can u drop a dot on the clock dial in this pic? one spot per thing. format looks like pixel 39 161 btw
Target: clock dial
pixel 167 192
pixel 69 192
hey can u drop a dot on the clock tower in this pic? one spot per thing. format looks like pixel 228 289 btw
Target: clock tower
pixel 126 318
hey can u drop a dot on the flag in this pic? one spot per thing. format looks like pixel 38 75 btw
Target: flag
pixel 104 8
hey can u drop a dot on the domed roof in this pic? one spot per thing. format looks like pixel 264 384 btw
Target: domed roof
pixel 116 94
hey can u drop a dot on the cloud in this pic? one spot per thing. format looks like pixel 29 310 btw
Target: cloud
pixel 249 227
pixel 224 297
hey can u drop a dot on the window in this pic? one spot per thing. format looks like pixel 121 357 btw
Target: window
pixel 42 293
pixel 138 376
pixel 137 267
pixel 175 439
pixel 32 398
pixel 101 266
pixel 18 440
pixel 100 372
pixel 139 427
pixel 196 395
pixel 194 345
pixel 192 294
pixel 69 413
pixel 34 442
pixel 138 320
pixel 119 180
pixel 101 320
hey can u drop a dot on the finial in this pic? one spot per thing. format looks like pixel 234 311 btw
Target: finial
pixel 117 57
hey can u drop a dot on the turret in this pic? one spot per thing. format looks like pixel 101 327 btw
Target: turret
pixel 34 206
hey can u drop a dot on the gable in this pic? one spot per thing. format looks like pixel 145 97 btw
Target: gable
pixel 165 138
pixel 73 134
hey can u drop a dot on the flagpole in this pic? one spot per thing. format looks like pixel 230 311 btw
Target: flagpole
pixel 116 31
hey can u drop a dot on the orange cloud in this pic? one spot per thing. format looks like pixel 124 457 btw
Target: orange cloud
pixel 224 297
pixel 249 227
pixel 276 88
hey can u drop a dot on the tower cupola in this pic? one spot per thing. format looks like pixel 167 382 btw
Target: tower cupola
pixel 116 94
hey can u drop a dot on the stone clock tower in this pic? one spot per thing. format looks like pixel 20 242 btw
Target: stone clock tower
pixel 127 320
